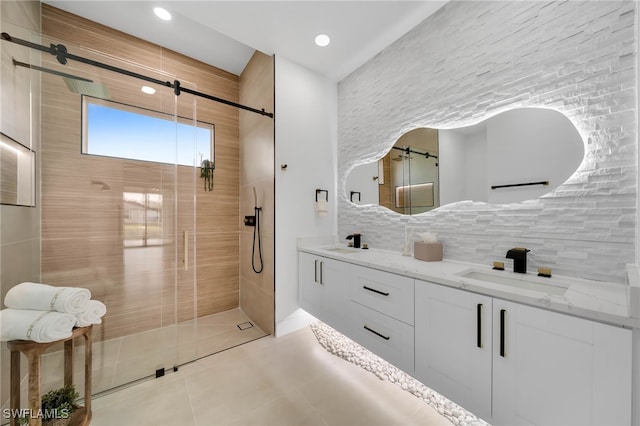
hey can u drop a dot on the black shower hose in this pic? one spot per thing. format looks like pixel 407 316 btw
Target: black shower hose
pixel 256 230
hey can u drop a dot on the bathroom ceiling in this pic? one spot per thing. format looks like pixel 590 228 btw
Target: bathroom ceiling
pixel 226 33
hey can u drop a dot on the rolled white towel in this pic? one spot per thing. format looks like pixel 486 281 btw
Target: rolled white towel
pixel 322 207
pixel 38 326
pixel 43 297
pixel 93 314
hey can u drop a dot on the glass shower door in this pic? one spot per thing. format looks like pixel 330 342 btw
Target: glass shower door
pixel 125 213
pixel 112 219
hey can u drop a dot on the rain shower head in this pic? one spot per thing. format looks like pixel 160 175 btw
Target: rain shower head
pixel 89 88
pixel 80 85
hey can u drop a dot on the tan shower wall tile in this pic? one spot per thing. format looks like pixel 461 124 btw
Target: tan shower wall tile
pixel 264 280
pixel 218 302
pixel 259 306
pixel 65 26
pixel 226 134
pixel 193 71
pixel 82 227
pixel 257 170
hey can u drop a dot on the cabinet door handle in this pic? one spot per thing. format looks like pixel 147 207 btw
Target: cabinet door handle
pixel 479 324
pixel 502 312
pixel 321 268
pixel 376 333
pixel 375 291
pixel 315 271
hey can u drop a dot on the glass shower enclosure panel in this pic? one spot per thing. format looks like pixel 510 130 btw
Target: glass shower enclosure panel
pixel 118 212
pixel 124 211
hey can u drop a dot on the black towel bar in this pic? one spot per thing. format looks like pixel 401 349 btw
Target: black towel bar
pixel 544 182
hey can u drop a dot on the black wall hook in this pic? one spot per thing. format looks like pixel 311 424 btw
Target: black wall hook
pixel 320 191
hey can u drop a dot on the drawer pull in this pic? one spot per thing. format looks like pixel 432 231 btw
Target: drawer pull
pixel 479 324
pixel 375 291
pixel 376 333
pixel 502 312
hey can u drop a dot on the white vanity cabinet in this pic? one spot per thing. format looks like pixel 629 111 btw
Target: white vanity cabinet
pixel 506 362
pixel 323 285
pixel 513 364
pixel 453 345
pixel 550 368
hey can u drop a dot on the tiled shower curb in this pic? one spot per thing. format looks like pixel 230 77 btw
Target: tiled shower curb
pixel 343 347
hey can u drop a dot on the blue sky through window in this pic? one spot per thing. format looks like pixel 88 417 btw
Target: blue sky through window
pixel 117 131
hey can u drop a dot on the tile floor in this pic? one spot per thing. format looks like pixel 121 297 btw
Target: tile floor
pixel 130 358
pixel 289 380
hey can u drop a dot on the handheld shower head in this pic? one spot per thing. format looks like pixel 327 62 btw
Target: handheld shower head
pixel 255 197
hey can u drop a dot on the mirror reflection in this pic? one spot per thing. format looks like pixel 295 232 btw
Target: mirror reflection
pixel 514 156
pixel 409 182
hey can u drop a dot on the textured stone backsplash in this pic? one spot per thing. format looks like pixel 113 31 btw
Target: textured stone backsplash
pixel 472 60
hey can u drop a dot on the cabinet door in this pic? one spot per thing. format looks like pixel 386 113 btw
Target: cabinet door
pixel 554 369
pixel 335 278
pixel 312 297
pixel 453 345
pixel 324 289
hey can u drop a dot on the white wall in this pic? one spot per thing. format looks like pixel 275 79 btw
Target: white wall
pixel 305 127
pixel 470 61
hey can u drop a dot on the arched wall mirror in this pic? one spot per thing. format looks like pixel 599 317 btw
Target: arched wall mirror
pixel 514 156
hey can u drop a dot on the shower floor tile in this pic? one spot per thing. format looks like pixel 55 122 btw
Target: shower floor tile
pixel 130 358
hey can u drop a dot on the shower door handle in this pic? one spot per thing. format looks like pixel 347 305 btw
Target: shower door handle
pixel 185 252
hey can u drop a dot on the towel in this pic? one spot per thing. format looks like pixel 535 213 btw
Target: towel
pixel 38 326
pixel 43 297
pixel 322 207
pixel 92 314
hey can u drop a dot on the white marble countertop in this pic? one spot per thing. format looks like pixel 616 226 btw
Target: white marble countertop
pixel 600 301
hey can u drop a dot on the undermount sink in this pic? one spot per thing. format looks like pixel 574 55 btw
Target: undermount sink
pixel 522 282
pixel 343 250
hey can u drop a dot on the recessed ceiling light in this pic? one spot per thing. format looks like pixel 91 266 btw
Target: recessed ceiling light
pixel 162 13
pixel 148 90
pixel 323 40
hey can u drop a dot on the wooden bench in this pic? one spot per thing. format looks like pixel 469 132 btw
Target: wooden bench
pixel 33 351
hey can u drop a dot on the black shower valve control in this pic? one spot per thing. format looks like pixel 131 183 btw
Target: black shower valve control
pixel 249 221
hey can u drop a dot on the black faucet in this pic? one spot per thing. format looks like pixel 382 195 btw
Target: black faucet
pixel 519 256
pixel 356 239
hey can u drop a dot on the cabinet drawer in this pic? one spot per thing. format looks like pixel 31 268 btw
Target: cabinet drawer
pixel 386 337
pixel 388 293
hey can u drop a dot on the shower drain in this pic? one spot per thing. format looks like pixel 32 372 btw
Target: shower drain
pixel 244 325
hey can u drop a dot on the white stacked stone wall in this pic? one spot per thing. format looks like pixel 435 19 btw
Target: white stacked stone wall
pixel 472 60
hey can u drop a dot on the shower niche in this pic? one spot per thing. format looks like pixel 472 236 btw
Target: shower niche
pixel 17 173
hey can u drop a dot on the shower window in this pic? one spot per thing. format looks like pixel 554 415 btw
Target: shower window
pixel 113 129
